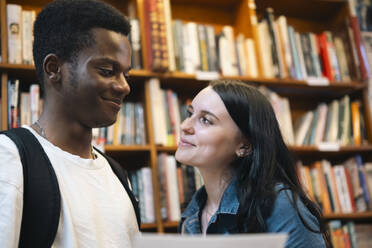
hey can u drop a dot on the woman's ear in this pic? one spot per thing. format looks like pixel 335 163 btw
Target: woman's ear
pixel 244 150
pixel 52 68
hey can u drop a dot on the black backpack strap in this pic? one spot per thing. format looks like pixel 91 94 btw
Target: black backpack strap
pixel 41 195
pixel 122 174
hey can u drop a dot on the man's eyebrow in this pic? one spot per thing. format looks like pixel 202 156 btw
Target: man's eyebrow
pixel 112 62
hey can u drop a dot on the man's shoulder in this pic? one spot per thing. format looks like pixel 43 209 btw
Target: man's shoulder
pixel 10 166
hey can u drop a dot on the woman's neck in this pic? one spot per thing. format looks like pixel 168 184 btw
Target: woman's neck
pixel 215 185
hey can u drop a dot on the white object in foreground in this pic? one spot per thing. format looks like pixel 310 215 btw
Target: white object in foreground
pixel 275 240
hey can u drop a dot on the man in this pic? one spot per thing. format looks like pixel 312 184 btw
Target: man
pixel 82 56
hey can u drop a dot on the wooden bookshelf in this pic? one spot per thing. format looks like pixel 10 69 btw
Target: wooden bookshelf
pixel 304 15
pixel 352 216
pixel 127 148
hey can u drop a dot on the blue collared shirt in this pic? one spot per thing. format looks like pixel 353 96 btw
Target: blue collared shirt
pixel 284 217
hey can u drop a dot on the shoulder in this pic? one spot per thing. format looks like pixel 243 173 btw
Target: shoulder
pixel 10 167
pixel 286 218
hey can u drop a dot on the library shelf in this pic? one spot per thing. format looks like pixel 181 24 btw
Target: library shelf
pixel 340 150
pixel 145 226
pixel 126 148
pixel 170 224
pixel 349 216
pixel 170 149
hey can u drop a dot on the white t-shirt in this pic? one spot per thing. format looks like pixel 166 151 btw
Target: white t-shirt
pixel 96 211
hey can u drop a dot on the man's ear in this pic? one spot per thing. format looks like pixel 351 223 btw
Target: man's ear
pixel 52 68
pixel 244 150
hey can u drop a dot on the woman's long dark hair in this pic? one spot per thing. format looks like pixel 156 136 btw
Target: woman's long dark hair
pixel 269 162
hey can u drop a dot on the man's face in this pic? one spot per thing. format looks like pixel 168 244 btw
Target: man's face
pixel 95 84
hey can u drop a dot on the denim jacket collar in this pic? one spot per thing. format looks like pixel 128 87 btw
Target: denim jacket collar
pixel 226 212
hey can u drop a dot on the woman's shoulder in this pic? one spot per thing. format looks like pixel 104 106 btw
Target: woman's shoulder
pixel 286 215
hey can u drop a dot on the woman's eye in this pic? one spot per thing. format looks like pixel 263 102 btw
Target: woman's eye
pixel 205 121
pixel 106 72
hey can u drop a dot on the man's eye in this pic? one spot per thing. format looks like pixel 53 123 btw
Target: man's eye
pixel 106 72
pixel 126 76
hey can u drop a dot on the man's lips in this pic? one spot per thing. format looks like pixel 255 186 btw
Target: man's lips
pixel 114 101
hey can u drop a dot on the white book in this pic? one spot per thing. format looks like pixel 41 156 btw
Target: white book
pixel 14 22
pixel 158 112
pixel 187 51
pixel 303 127
pixel 28 17
pixel 170 43
pixel 241 51
pixel 342 188
pixel 264 50
pixel 194 45
pixel 283 33
pixel 148 195
pixel 331 136
pixel 34 102
pixel 25 109
pixel 172 188
pixel 223 52
pixel 232 69
pixel 250 51
pixel 320 127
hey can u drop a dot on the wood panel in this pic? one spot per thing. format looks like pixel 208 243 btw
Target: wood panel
pixel 153 156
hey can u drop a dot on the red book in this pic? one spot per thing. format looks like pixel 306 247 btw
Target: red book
pixel 323 47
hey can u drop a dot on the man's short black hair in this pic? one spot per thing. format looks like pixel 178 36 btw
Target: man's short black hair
pixel 63 27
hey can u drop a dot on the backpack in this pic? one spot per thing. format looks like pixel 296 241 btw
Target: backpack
pixel 41 195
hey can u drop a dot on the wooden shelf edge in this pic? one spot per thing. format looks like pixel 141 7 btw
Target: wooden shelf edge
pixel 363 148
pixel 351 216
pixel 119 148
pixel 148 226
pixel 142 73
pixel 170 224
pixel 166 148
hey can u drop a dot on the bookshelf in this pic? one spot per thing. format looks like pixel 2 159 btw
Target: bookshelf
pixel 243 15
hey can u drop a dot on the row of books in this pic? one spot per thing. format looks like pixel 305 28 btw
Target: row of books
pixel 333 56
pixel 339 188
pixel 177 183
pixel 141 181
pixel 349 235
pixel 167 113
pixel 340 121
pixel 282 52
pixel 129 129
pixel 20 27
pixel 24 108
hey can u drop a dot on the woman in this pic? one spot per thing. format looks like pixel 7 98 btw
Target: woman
pixel 232 136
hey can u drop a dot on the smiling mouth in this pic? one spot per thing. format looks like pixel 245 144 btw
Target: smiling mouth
pixel 183 142
pixel 116 102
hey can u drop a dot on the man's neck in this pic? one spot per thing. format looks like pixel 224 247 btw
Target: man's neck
pixel 70 136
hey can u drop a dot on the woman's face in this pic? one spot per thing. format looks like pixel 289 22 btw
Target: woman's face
pixel 209 137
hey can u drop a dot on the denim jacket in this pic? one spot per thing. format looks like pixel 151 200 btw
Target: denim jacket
pixel 284 217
